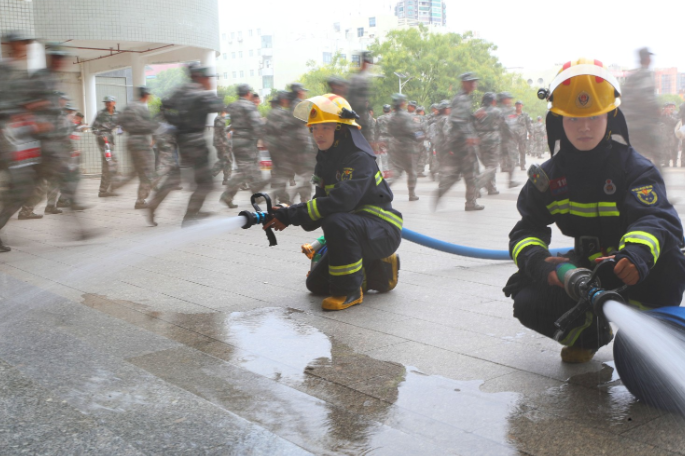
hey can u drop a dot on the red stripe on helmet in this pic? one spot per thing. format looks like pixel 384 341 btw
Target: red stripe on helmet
pixel 566 66
pixel 598 80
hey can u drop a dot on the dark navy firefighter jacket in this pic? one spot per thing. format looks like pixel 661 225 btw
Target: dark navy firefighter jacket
pixel 609 199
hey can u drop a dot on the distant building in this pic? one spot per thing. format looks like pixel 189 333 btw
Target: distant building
pixel 427 12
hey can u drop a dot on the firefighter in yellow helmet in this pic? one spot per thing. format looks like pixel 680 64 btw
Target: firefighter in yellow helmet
pixel 352 204
pixel 597 189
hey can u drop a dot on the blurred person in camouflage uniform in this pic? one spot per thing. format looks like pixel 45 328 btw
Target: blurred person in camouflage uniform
pixel 405 135
pixel 359 93
pixel 105 127
pixel 509 145
pixel 247 128
pixel 667 123
pixel 488 125
pixel 224 154
pixel 539 138
pixel 135 120
pixel 523 127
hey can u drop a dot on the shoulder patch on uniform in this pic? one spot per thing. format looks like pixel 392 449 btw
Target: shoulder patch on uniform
pixel 538 177
pixel 346 174
pixel 646 195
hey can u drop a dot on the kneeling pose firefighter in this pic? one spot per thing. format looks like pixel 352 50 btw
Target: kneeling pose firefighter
pixel 352 204
pixel 609 198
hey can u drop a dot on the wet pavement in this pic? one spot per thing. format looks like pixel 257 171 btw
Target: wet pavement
pixel 167 341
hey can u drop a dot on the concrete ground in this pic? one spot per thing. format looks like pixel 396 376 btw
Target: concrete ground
pixel 205 341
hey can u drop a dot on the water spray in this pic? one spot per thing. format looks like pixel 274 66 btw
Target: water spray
pixel 259 216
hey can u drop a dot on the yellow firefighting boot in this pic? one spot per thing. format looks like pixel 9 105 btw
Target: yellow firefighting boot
pixel 342 302
pixel 393 263
pixel 575 355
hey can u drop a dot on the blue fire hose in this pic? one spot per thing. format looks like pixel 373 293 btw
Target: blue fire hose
pixel 461 250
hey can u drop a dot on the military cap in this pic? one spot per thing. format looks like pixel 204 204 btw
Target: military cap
pixel 69 107
pixel 670 103
pixel 255 95
pixel 143 91
pixel 386 108
pixel 412 103
pixel 109 98
pixel 539 117
pixel 421 108
pixel 367 57
pixel 398 99
pixel 337 80
pixel 518 102
pixel 15 36
pixel 468 76
pixel 488 98
pixel 503 96
pixel 197 71
pixel 62 95
pixel 243 89
pixel 434 106
pixel 56 50
pixel 444 104
pixel 644 52
pixel 297 87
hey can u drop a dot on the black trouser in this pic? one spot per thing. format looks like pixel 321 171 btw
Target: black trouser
pixel 355 244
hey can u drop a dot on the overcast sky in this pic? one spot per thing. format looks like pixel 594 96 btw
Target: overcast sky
pixel 529 35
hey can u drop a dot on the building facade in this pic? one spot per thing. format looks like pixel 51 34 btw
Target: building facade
pixel 427 12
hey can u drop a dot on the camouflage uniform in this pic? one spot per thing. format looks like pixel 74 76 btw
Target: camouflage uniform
pixel 404 134
pixel 539 135
pixel 383 141
pixel 167 166
pixel 667 124
pixel 135 120
pixel 641 110
pixel 461 158
pixel 523 126
pixel 104 126
pixel 489 130
pixel 195 103
pixel 509 144
pixel 274 133
pixel 223 150
pixel 247 127
pixel 358 98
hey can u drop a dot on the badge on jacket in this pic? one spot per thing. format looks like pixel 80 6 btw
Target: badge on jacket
pixel 609 187
pixel 345 175
pixel 646 195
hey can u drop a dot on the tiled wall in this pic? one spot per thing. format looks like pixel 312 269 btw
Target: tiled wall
pixel 16 15
pixel 183 22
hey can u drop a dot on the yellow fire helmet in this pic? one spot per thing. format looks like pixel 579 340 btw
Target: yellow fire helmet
pixel 584 88
pixel 329 108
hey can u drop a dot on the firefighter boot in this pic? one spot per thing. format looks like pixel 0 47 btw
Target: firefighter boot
pixel 576 355
pixel 342 302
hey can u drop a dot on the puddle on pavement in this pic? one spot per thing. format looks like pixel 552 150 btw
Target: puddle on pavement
pixel 327 398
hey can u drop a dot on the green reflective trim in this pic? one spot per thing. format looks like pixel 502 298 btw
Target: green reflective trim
pixel 346 269
pixel 574 333
pixel 313 210
pixel 522 244
pixel 600 209
pixel 328 188
pixel 644 238
pixel 379 178
pixel 383 214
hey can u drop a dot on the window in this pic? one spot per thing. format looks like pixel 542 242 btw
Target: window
pixel 233 55
pixel 249 32
pixel 232 35
pixel 372 22
pixel 250 53
pixel 327 57
pixel 356 60
pixel 336 26
pixel 266 41
pixel 360 32
pixel 223 36
pixel 225 75
pixel 343 56
pixel 240 54
pixel 242 74
pixel 267 63
pixel 251 72
pixel 259 32
pixel 240 35
pixel 233 74
pixel 268 82
pixel 224 55
pixel 259 52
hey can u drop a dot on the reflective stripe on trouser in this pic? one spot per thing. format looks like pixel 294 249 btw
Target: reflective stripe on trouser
pixel 354 241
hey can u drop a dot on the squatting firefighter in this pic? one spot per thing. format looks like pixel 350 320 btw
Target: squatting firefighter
pixel 352 205
pixel 612 200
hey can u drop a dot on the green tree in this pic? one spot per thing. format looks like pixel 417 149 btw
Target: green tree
pixel 316 78
pixel 167 81
pixel 669 97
